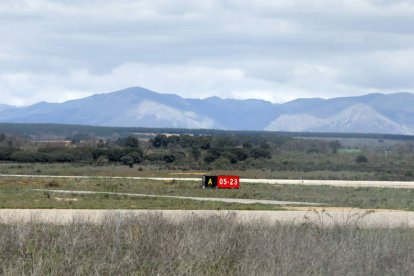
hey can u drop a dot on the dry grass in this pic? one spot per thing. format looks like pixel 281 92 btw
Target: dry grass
pixel 153 245
pixel 154 171
pixel 16 193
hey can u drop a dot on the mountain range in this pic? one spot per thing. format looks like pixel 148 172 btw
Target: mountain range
pixel 140 107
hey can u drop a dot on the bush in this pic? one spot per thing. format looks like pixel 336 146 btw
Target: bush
pixel 5 153
pixel 361 159
pixel 137 156
pixel 169 158
pixel 115 155
pixel 130 142
pixel 229 156
pixel 102 161
pixel 153 157
pixel 127 160
pixel 23 156
pixel 222 163
pixel 239 153
pixel 52 184
pixel 61 157
pixel 260 153
pixel 159 141
pixel 210 158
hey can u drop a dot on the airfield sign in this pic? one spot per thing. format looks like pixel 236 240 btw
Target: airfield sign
pixel 221 181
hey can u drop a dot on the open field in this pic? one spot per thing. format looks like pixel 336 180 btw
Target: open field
pixel 212 245
pixel 23 198
pixel 337 183
pixel 162 171
pixel 304 207
pixel 18 192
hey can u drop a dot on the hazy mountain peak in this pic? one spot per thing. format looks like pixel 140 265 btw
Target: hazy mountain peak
pixel 5 107
pixel 140 107
pixel 296 122
pixel 153 113
pixel 358 118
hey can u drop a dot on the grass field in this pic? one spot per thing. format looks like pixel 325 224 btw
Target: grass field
pixel 148 170
pixel 17 193
pixel 336 238
pixel 153 245
pixel 213 245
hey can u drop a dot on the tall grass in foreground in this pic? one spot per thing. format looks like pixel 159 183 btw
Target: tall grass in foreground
pixel 152 244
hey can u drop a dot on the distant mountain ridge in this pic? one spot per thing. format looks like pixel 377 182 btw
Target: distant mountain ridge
pixel 358 118
pixel 139 107
pixel 5 106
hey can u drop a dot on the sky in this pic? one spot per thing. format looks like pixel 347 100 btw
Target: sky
pixel 276 50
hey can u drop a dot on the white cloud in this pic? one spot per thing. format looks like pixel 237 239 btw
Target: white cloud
pixel 186 80
pixel 274 50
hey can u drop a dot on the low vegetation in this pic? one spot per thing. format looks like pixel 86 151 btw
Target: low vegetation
pixel 154 245
pixel 275 155
pixel 213 245
pixel 18 193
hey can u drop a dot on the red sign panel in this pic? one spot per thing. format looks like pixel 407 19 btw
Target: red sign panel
pixel 228 182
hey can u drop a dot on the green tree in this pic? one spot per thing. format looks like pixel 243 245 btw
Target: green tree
pixel 129 142
pixel 115 154
pixel 260 153
pixel 335 145
pixel 137 156
pixel 127 160
pixel 159 141
pixel 101 144
pixel 195 153
pixel 169 158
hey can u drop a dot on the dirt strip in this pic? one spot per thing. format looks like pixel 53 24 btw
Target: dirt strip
pixel 328 218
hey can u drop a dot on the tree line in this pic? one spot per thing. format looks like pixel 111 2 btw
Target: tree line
pixel 130 150
pixel 184 151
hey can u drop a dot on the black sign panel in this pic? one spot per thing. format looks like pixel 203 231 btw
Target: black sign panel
pixel 209 181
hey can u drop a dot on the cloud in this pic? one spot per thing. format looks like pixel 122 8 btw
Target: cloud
pixel 190 81
pixel 274 50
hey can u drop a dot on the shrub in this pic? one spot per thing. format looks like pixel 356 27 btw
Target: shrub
pixel 127 160
pixel 5 153
pixel 209 158
pixel 137 156
pixel 52 184
pixel 260 153
pixel 361 159
pixel 169 158
pixel 115 155
pixel 153 157
pixel 23 156
pixel 102 161
pixel 130 142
